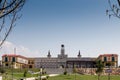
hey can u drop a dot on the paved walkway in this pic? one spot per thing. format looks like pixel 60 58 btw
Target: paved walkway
pixel 33 78
pixel 50 75
pixel 0 77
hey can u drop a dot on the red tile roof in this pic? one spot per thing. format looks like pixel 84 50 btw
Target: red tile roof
pixel 108 55
pixel 14 55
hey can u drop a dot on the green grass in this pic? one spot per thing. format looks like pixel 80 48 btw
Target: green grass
pixel 82 77
pixel 17 74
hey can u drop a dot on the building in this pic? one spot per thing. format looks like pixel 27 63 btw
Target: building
pixel 14 61
pixel 62 61
pixel 31 63
pixel 107 59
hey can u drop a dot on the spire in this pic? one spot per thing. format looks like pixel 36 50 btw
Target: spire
pixel 79 55
pixel 49 55
pixel 79 52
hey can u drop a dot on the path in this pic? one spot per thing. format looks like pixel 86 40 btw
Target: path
pixel 50 75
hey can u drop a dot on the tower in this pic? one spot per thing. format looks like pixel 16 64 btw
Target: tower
pixel 62 54
pixel 49 55
pixel 62 50
pixel 79 55
pixel 62 57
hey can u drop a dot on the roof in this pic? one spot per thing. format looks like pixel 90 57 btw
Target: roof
pixel 81 59
pixel 108 55
pixel 39 58
pixel 14 55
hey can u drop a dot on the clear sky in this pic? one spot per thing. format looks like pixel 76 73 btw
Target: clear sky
pixel 78 24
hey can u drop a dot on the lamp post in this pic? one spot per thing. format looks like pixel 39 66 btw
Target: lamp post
pixel 74 69
pixel 109 73
pixel 109 65
pixel 12 69
pixel 40 72
pixel 12 62
pixel 75 75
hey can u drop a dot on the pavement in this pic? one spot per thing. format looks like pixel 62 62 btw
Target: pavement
pixel 50 75
pixel 33 78
pixel 0 77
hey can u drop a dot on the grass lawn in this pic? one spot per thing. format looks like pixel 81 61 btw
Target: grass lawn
pixel 17 74
pixel 82 77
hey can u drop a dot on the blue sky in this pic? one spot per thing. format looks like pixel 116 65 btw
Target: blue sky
pixel 78 24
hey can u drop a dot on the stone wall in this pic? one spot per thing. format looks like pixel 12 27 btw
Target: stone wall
pixel 92 71
pixel 84 71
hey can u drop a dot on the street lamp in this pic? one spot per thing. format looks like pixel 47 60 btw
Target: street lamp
pixel 74 69
pixel 12 69
pixel 12 62
pixel 109 73
pixel 40 72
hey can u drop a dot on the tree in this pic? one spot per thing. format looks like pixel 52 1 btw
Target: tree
pixel 100 67
pixel 8 15
pixel 25 74
pixel 114 8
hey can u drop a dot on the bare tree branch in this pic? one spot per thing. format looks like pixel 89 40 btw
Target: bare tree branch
pixel 14 5
pixel 1 27
pixel 9 10
pixel 9 29
pixel 114 8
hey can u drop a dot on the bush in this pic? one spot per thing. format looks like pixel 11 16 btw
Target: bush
pixel 47 76
pixel 2 70
pixel 44 79
pixel 65 73
pixel 25 73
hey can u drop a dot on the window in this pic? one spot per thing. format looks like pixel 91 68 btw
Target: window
pixel 32 62
pixel 105 58
pixel 113 59
pixel 28 62
pixel 13 59
pixel 6 59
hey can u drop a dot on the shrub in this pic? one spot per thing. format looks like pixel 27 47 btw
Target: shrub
pixel 2 70
pixel 65 73
pixel 47 76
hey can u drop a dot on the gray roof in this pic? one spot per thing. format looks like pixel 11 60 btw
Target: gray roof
pixel 81 59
